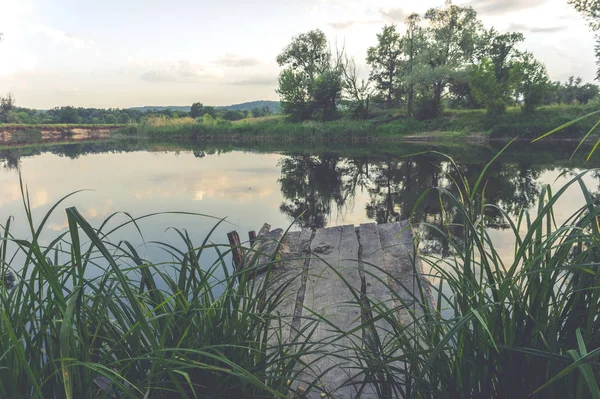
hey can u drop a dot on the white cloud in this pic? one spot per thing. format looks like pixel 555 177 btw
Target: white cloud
pixel 182 71
pixel 60 38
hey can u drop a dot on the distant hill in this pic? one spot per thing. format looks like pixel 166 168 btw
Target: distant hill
pixel 274 106
pixel 184 108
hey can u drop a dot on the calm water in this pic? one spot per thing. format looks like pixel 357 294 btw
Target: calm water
pixel 251 185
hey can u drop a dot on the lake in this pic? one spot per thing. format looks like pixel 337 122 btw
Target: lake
pixel 250 184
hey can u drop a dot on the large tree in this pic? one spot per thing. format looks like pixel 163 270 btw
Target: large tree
pixel 491 82
pixel 309 85
pixel 453 36
pixel 413 45
pixel 531 81
pixel 384 59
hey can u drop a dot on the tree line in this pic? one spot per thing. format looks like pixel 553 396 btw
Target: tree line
pixel 444 58
pixel 11 113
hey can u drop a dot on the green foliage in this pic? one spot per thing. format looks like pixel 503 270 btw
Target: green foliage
pixel 294 93
pixel 308 53
pixel 88 317
pixel 309 86
pixel 532 81
pixel 573 91
pixel 70 115
pixel 196 110
pixel 493 79
pixel 452 39
pixel 326 94
pixel 384 60
pixel 499 325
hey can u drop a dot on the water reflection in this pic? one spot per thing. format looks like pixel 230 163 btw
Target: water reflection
pixel 256 183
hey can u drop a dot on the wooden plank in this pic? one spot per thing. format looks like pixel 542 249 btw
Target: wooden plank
pixel 264 230
pixel 265 248
pixel 328 296
pixel 303 255
pixel 377 289
pixel 379 295
pixel 398 251
pixel 283 282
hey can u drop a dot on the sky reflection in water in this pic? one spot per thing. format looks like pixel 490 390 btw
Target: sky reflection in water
pixel 250 188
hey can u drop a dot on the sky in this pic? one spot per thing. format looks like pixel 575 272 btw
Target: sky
pixel 118 54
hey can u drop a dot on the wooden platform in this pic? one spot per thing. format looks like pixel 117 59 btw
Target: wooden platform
pixel 329 279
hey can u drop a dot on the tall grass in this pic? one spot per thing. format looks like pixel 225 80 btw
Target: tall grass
pixel 527 326
pixel 138 330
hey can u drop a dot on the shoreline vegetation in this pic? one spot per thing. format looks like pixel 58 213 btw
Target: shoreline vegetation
pixel 468 125
pixel 388 126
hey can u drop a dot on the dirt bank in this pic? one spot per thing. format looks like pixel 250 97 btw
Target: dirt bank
pixel 21 134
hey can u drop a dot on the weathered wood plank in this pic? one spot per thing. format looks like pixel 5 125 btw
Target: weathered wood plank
pixel 378 291
pixel 398 251
pixel 282 285
pixel 265 248
pixel 377 288
pixel 303 255
pixel 328 296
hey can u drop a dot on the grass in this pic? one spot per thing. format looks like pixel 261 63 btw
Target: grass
pixel 138 329
pixel 453 124
pixel 522 327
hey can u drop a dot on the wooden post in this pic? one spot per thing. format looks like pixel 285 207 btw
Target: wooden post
pixel 252 237
pixel 236 249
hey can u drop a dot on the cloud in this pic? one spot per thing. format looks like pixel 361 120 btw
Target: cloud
pixel 394 14
pixel 537 29
pixel 341 25
pixel 265 80
pixel 181 71
pixel 501 7
pixel 60 38
pixel 237 61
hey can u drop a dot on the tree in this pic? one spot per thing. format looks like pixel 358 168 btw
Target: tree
pixel 309 86
pixel 491 82
pixel 68 115
pixel 308 53
pixel 212 111
pixel 384 60
pixel 356 92
pixel 413 43
pixel 123 118
pixel 196 110
pixel 7 104
pixel 294 95
pixel 531 81
pixel 326 94
pixel 452 39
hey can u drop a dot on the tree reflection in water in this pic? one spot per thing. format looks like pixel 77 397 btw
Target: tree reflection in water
pixel 313 185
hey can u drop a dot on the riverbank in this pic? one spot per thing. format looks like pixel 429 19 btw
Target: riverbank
pixel 472 126
pixel 469 125
pixel 17 134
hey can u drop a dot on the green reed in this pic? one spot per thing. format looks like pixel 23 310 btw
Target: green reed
pixel 528 326
pixel 138 329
